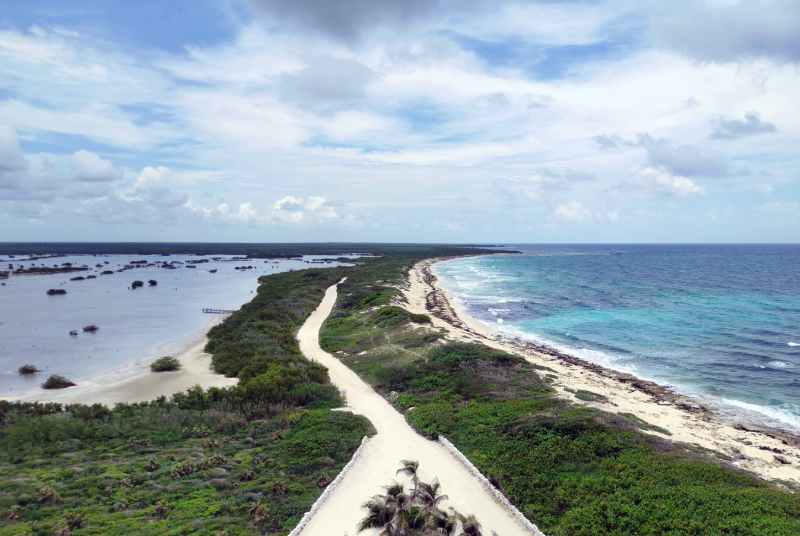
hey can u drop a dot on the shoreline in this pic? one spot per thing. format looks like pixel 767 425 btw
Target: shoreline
pixel 143 385
pixel 771 454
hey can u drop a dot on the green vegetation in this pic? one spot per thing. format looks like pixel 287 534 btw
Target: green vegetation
pixel 252 459
pixel 186 466
pixel 165 364
pixel 57 382
pixel 571 469
pixel 416 512
pixel 244 460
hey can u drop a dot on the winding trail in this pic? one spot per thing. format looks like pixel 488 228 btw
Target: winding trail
pixel 380 457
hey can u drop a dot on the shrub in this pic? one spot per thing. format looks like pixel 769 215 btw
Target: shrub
pixel 26 370
pixel 57 382
pixel 165 364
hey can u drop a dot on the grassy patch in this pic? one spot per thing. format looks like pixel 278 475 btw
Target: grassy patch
pixel 161 469
pixel 589 396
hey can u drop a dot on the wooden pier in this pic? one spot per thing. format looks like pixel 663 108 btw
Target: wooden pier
pixel 212 311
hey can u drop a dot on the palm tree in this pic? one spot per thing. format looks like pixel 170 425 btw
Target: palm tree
pixel 442 523
pixel 429 495
pixel 397 513
pixel 470 526
pixel 380 515
pixel 410 468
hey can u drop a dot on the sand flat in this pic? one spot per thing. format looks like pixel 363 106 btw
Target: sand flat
pixel 144 386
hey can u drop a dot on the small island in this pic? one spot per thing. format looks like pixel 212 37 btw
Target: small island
pixel 27 370
pixel 57 382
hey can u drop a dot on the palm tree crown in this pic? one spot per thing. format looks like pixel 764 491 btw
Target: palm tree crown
pixel 418 513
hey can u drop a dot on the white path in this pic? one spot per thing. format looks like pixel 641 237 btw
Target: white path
pixel 380 458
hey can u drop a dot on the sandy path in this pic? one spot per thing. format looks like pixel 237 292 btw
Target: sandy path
pixel 394 441
pixel 771 458
pixel 145 386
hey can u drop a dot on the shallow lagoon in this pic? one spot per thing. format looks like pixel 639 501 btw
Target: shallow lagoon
pixel 136 326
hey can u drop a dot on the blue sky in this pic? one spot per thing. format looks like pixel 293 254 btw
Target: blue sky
pixel 426 120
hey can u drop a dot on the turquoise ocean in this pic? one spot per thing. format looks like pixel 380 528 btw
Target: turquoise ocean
pixel 719 322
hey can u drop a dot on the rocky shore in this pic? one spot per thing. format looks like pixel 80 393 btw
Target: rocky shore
pixel 770 452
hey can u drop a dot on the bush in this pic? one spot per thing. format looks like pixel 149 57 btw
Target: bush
pixel 57 382
pixel 165 364
pixel 26 370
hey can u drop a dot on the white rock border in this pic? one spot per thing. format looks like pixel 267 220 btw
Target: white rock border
pixel 493 491
pixel 329 490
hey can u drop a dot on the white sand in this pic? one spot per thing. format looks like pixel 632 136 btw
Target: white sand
pixel 379 461
pixel 768 457
pixel 195 370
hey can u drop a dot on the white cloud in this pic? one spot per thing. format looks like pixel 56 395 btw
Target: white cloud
pixel 12 161
pixel 682 159
pixel 293 209
pixel 88 167
pixel 752 124
pixel 730 30
pixel 661 180
pixel 572 212
pixel 421 122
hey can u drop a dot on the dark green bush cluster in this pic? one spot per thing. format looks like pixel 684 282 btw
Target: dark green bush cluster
pixel 27 370
pixel 165 364
pixel 57 381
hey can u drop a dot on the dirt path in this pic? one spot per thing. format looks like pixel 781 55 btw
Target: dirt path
pixel 380 458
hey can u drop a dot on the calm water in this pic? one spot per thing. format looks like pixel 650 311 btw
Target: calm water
pixel 136 326
pixel 720 322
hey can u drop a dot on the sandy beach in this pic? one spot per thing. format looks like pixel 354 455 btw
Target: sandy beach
pixel 379 459
pixel 144 385
pixel 772 455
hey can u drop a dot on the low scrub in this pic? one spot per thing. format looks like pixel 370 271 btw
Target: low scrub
pixel 27 370
pixel 165 364
pixel 57 382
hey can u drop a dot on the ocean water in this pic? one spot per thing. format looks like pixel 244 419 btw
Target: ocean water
pixel 720 322
pixel 136 326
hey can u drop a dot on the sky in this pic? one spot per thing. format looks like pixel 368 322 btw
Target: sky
pixel 414 121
